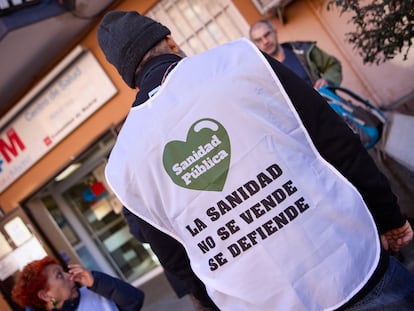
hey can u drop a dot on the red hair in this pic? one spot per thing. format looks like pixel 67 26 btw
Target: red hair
pixel 30 281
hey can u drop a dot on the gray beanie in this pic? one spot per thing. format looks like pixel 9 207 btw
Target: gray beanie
pixel 125 37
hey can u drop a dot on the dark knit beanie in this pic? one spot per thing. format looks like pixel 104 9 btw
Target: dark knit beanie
pixel 125 37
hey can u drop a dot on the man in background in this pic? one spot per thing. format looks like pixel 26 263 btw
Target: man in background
pixel 309 62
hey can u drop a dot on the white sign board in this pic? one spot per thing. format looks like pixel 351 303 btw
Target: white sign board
pixel 29 251
pixel 8 266
pixel 67 102
pixel 20 257
pixel 5 247
pixel 17 231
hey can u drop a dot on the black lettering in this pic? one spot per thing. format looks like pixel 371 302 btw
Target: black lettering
pixel 252 236
pixel 301 205
pixel 223 233
pixel 232 226
pixel 220 259
pixel 247 216
pixel 234 199
pixel 213 214
pixel 291 212
pixel 269 227
pixel 261 233
pixel 268 203
pixel 207 244
pixel 244 244
pixel 280 220
pixel 279 195
pixel 243 193
pixel 200 224
pixel 193 231
pixel 264 180
pixel 252 187
pixel 203 246
pixel 289 188
pixel 234 250
pixel 274 170
pixel 223 207
pixel 213 265
pixel 257 210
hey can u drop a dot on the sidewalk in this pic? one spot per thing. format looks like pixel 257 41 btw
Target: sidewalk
pixel 159 296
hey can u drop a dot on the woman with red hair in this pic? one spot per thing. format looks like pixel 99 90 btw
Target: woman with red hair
pixel 44 285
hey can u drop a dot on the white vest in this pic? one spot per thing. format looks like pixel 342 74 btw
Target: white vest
pixel 220 160
pixel 90 300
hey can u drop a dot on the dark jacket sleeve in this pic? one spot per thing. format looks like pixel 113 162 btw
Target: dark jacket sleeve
pixel 124 295
pixel 169 251
pixel 173 258
pixel 342 148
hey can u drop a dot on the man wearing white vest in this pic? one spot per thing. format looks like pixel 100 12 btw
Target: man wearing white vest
pixel 276 202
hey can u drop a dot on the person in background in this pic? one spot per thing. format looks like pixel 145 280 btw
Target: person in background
pixel 309 62
pixel 276 202
pixel 45 285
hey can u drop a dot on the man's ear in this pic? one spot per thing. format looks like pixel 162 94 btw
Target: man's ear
pixel 172 44
pixel 43 295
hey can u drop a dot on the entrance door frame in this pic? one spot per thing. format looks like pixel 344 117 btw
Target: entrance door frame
pixel 55 190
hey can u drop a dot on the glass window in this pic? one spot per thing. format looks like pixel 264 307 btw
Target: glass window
pixel 87 259
pixel 90 199
pixel 131 257
pixel 198 25
pixel 60 220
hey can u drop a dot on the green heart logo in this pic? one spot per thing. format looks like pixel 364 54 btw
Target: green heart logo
pixel 202 162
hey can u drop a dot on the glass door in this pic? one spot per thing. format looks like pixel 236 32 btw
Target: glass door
pixel 90 217
pixel 100 212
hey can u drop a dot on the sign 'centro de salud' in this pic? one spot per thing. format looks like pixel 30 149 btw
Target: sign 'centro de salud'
pixel 67 102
